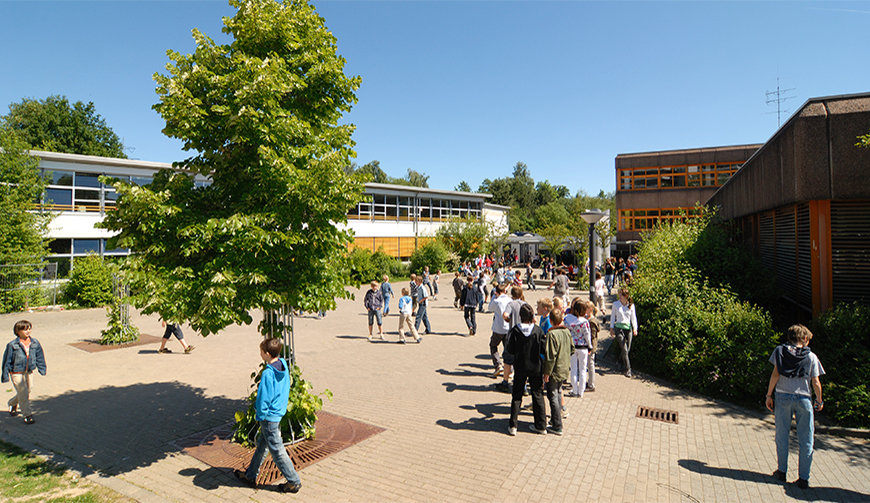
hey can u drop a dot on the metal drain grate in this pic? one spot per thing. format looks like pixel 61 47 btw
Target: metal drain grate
pixel 665 416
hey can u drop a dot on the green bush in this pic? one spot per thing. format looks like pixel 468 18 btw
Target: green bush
pixel 432 254
pixel 366 266
pixel 699 336
pixel 840 338
pixel 90 282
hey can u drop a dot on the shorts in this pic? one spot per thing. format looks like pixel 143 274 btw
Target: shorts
pixel 173 329
pixel 507 357
pixel 375 313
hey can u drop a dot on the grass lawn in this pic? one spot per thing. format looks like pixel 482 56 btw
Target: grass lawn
pixel 25 478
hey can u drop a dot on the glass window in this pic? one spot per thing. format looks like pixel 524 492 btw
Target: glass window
pixel 83 246
pixel 708 167
pixel 625 172
pixel 652 213
pixel 425 209
pixel 667 181
pixel 60 246
pixel 640 183
pixel 680 181
pixel 665 171
pixel 694 180
pixel 652 183
pixel 61 178
pixel 62 265
pixel 58 196
pixel 693 169
pixel 87 180
pixel 141 180
pixel 709 179
pixel 87 195
pixel 640 213
pixel 683 169
pixel 651 171
pixel 114 251
pixel 626 184
pixel 723 177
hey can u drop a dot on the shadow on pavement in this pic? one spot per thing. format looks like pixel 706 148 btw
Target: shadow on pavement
pixel 450 387
pixel 463 373
pixel 120 429
pixel 486 422
pixel 833 494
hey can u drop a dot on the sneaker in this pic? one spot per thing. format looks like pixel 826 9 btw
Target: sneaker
pixel 512 431
pixel 189 349
pixel 381 337
pixel 778 475
pixel 503 386
pixel 470 331
pixel 419 340
pixel 571 394
pixel 590 389
pixel 401 341
pixel 802 483
pixel 370 338
pixel 628 374
pixel 499 371
pixel 539 432
pixel 244 478
pixel 164 350
pixel 554 432
pixel 289 487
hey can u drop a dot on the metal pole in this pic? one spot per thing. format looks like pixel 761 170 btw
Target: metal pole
pixel 591 260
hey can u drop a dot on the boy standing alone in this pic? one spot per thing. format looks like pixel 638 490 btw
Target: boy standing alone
pixel 273 393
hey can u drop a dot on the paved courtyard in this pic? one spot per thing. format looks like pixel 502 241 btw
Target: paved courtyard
pixel 113 414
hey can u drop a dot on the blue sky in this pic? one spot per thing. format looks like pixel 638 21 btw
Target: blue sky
pixel 463 90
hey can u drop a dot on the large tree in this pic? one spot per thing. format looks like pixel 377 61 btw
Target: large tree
pixel 261 116
pixel 55 125
pixel 21 230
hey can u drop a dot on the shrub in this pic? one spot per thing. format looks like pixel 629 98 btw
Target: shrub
pixel 840 338
pixel 432 254
pixel 90 282
pixel 366 266
pixel 700 336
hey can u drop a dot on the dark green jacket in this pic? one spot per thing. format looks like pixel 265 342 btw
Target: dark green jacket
pixel 557 357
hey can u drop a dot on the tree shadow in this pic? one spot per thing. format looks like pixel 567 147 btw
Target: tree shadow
pixel 120 429
pixel 833 494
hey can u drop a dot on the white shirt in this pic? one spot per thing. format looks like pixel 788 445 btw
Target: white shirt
pixel 498 305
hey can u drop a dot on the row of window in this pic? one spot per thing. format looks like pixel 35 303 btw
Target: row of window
pixel 675 177
pixel 64 251
pixel 75 191
pixel 643 219
pixel 385 207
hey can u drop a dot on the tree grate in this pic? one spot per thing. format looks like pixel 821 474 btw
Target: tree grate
pixel 334 433
pixel 665 416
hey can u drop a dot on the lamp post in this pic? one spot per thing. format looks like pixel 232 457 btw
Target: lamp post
pixel 591 217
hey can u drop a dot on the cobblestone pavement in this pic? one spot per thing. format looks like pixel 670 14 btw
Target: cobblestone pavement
pixel 112 414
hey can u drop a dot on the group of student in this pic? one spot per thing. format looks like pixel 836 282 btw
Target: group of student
pixel 413 305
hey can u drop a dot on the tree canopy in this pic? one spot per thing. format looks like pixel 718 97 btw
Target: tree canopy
pixel 261 116
pixel 21 231
pixel 55 125
pixel 373 172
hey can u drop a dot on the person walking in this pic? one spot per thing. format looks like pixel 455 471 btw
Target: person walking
pixel 273 394
pixel 560 286
pixel 500 329
pixel 457 289
pixel 422 304
pixel 386 293
pixel 623 325
pixel 795 377
pixel 405 306
pixel 22 356
pixel 594 328
pixel 173 329
pixel 469 297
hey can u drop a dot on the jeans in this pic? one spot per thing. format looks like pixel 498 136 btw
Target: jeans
pixel 470 318
pixel 270 437
pixel 373 314
pixel 578 371
pixel 554 396
pixel 623 336
pixel 608 280
pixel 386 305
pixel 536 389
pixel 421 316
pixel 786 405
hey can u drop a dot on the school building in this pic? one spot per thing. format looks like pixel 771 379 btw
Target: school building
pixel 395 217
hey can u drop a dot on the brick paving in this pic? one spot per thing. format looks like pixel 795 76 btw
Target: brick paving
pixel 112 415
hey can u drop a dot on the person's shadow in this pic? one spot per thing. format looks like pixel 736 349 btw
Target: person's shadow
pixel 814 493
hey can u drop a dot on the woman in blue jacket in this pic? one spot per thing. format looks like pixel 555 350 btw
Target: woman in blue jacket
pixel 23 355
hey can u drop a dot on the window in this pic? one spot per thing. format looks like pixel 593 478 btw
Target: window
pixel 87 180
pixel 64 178
pixel 84 246
pixel 406 207
pixel 62 197
pixel 60 246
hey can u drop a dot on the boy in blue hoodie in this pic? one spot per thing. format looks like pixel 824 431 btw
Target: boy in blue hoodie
pixel 273 394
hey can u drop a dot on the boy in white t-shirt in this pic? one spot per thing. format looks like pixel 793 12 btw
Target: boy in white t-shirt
pixel 406 306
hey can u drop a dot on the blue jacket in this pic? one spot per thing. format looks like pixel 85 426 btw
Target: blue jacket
pixel 15 360
pixel 273 393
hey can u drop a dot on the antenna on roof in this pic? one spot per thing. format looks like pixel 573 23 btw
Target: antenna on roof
pixel 778 100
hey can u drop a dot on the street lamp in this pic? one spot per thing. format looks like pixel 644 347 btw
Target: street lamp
pixel 591 217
